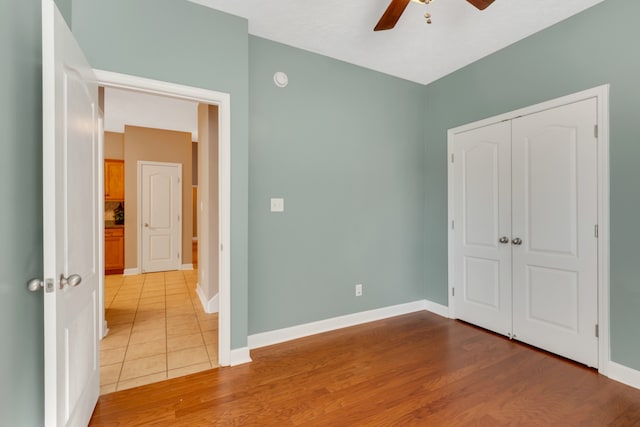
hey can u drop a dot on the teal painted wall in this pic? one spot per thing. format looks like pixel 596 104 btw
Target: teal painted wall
pixel 343 146
pixel 65 6
pixel 595 47
pixel 364 182
pixel 181 42
pixel 21 321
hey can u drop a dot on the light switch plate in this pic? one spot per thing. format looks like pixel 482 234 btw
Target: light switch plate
pixel 277 205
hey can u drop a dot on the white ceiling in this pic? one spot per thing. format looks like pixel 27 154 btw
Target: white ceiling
pixel 343 29
pixel 126 107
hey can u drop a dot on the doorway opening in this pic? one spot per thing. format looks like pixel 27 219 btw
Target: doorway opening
pixel 206 288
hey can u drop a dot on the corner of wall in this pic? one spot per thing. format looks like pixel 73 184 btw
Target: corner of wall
pixel 209 305
pixel 239 356
pixel 622 374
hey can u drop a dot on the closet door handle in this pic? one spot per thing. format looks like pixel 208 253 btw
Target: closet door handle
pixel 504 240
pixel 517 241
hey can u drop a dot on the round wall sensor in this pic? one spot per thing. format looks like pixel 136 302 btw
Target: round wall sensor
pixel 280 79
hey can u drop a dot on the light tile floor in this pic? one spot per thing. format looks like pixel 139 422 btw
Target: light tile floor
pixel 157 330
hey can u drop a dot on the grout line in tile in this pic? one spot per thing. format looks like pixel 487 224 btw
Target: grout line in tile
pixel 159 281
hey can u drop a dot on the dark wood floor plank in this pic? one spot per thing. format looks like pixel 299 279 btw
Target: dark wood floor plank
pixel 418 369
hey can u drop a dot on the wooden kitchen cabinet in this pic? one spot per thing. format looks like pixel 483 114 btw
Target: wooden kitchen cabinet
pixel 113 180
pixel 113 250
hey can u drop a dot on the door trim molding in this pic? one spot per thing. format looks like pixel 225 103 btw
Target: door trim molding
pixel 223 101
pixel 601 94
pixel 139 167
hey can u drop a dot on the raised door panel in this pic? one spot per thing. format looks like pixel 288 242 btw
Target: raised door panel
pixel 114 180
pixel 482 265
pixel 554 214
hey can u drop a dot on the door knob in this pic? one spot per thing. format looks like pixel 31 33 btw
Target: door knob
pixel 146 224
pixel 517 241
pixel 35 285
pixel 73 281
pixel 504 239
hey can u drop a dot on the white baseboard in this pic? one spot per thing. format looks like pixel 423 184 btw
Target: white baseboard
pixel 615 371
pixel 623 374
pixel 299 331
pixel 239 356
pixel 435 308
pixel 209 305
pixel 131 271
pixel 186 267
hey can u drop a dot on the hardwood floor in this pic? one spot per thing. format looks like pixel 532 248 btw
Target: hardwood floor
pixel 419 369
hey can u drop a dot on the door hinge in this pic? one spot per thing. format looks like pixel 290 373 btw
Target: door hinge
pixel 451 158
pixel 178 180
pixel 178 218
pixel 453 292
pixel 178 255
pixel 597 331
pixel 595 230
pixel 453 225
pixel 595 131
pixel 221 247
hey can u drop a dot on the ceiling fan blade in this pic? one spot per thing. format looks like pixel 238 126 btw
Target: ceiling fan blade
pixel 481 4
pixel 391 15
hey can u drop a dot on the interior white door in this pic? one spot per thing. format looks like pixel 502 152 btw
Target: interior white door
pixel 161 196
pixel 482 261
pixel 555 216
pixel 71 230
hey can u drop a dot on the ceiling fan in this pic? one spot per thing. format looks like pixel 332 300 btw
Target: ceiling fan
pixel 396 7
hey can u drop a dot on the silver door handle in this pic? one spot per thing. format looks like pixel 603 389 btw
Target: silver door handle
pixel 517 241
pixel 35 285
pixel 504 239
pixel 73 281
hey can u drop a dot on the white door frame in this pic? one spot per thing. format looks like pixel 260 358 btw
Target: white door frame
pixel 141 164
pixel 223 101
pixel 601 93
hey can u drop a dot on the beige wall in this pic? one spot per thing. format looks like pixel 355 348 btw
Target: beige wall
pixel 195 210
pixel 155 145
pixel 114 145
pixel 208 233
pixel 194 180
pixel 194 163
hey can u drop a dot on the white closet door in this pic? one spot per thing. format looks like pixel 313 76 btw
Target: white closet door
pixel 482 265
pixel 554 202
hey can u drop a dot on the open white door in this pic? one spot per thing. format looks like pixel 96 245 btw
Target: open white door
pixel 70 226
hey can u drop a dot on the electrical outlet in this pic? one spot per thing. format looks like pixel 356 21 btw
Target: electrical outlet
pixel 359 290
pixel 277 205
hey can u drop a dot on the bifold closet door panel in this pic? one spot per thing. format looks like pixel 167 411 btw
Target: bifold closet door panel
pixel 482 264
pixel 554 214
